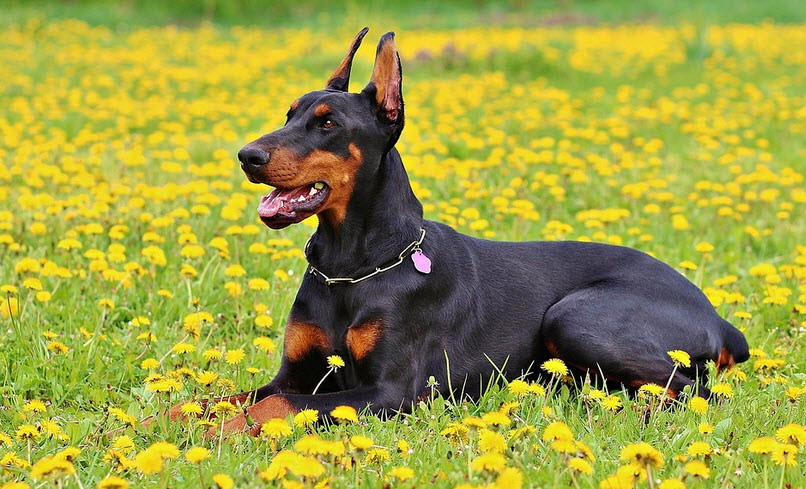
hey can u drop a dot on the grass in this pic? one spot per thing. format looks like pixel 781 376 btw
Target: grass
pixel 124 221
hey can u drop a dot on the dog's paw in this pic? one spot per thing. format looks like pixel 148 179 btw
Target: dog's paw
pixel 275 406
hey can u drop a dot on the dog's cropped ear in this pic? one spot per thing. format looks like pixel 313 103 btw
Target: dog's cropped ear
pixel 340 80
pixel 386 83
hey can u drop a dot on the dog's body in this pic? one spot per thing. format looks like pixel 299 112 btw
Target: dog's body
pixel 605 310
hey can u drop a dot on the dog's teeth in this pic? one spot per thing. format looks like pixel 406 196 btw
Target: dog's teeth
pixel 313 191
pixel 301 199
pixel 318 185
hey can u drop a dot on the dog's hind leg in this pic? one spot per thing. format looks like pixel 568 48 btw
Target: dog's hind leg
pixel 615 334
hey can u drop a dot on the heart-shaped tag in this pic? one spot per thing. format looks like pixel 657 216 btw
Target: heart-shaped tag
pixel 421 262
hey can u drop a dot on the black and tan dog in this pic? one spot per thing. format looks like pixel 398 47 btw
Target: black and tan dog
pixel 396 295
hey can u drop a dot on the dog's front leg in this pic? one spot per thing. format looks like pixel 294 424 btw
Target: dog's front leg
pixel 379 398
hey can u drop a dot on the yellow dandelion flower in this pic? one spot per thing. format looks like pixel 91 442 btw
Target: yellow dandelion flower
pixel 474 422
pixel 223 481
pixel 785 454
pixel 496 418
pixel 490 462
pixel 191 408
pixel 212 354
pixel 113 482
pixel 698 405
pixel 225 409
pixel 555 367
pixel 206 377
pixel 672 484
pixel 794 434
pixel 580 465
pixel 643 454
pixel 705 428
pixel 182 348
pixel 51 467
pixel 235 357
pixel 150 364
pixel 345 413
pixel 306 417
pixel 699 448
pixel 361 442
pixel 680 358
pixel 492 441
pixel 335 362
pixel 651 389
pixel 518 388
pixel 698 468
pixel 9 307
pixel 148 462
pixel 28 432
pixel 258 284
pixel 264 343
pixel 557 431
pixel 723 390
pixel 275 429
pixel 34 405
pixel 197 454
pixel 611 403
pixel 401 473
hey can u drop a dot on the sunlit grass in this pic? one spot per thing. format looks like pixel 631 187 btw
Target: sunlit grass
pixel 135 273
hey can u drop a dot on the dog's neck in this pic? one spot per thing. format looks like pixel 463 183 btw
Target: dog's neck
pixel 383 216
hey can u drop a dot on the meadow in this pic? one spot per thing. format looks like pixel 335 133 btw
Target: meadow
pixel 135 273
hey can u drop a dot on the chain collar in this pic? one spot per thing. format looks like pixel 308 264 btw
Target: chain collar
pixel 412 247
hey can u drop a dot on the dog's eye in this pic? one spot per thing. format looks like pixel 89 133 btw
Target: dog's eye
pixel 327 124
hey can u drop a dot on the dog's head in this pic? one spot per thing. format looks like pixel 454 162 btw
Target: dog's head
pixel 330 139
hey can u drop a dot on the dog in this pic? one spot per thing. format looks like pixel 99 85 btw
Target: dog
pixel 402 299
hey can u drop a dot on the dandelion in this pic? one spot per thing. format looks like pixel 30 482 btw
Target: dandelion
pixel 306 418
pixel 225 409
pixel 794 434
pixel 643 454
pixel 113 482
pixel 680 358
pixel 785 454
pixel 555 367
pixel 34 405
pixel 722 390
pixel 334 362
pixel 698 468
pixel 699 448
pixel 698 405
pixel 401 473
pixel 492 441
pixel 361 442
pixel 672 484
pixel 580 465
pixel 234 357
pixel 490 462
pixel 223 481
pixel 345 413
pixel 197 454
pixel 611 403
pixel 275 429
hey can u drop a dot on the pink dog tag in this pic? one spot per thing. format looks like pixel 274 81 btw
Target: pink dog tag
pixel 421 262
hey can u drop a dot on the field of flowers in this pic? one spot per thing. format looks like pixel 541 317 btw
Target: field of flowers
pixel 135 273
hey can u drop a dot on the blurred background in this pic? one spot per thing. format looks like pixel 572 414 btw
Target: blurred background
pixel 405 13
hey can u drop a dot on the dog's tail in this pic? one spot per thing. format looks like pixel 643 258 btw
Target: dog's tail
pixel 735 348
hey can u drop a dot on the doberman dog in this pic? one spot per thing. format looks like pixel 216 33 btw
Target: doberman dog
pixel 401 298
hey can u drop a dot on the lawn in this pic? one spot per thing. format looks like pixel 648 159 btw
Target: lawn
pixel 135 272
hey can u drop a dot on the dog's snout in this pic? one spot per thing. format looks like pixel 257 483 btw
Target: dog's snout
pixel 253 156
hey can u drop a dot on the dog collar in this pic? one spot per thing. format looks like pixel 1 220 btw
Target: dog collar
pixel 421 262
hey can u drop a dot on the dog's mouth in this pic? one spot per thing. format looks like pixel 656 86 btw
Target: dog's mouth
pixel 284 206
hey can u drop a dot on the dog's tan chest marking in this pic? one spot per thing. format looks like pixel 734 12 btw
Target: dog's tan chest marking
pixel 362 338
pixel 301 338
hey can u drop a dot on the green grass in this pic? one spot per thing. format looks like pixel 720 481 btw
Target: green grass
pixel 513 133
pixel 449 14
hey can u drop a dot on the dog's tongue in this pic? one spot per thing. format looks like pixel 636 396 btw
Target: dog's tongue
pixel 271 204
pixel 281 201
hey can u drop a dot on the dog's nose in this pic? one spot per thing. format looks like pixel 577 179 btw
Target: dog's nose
pixel 253 156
